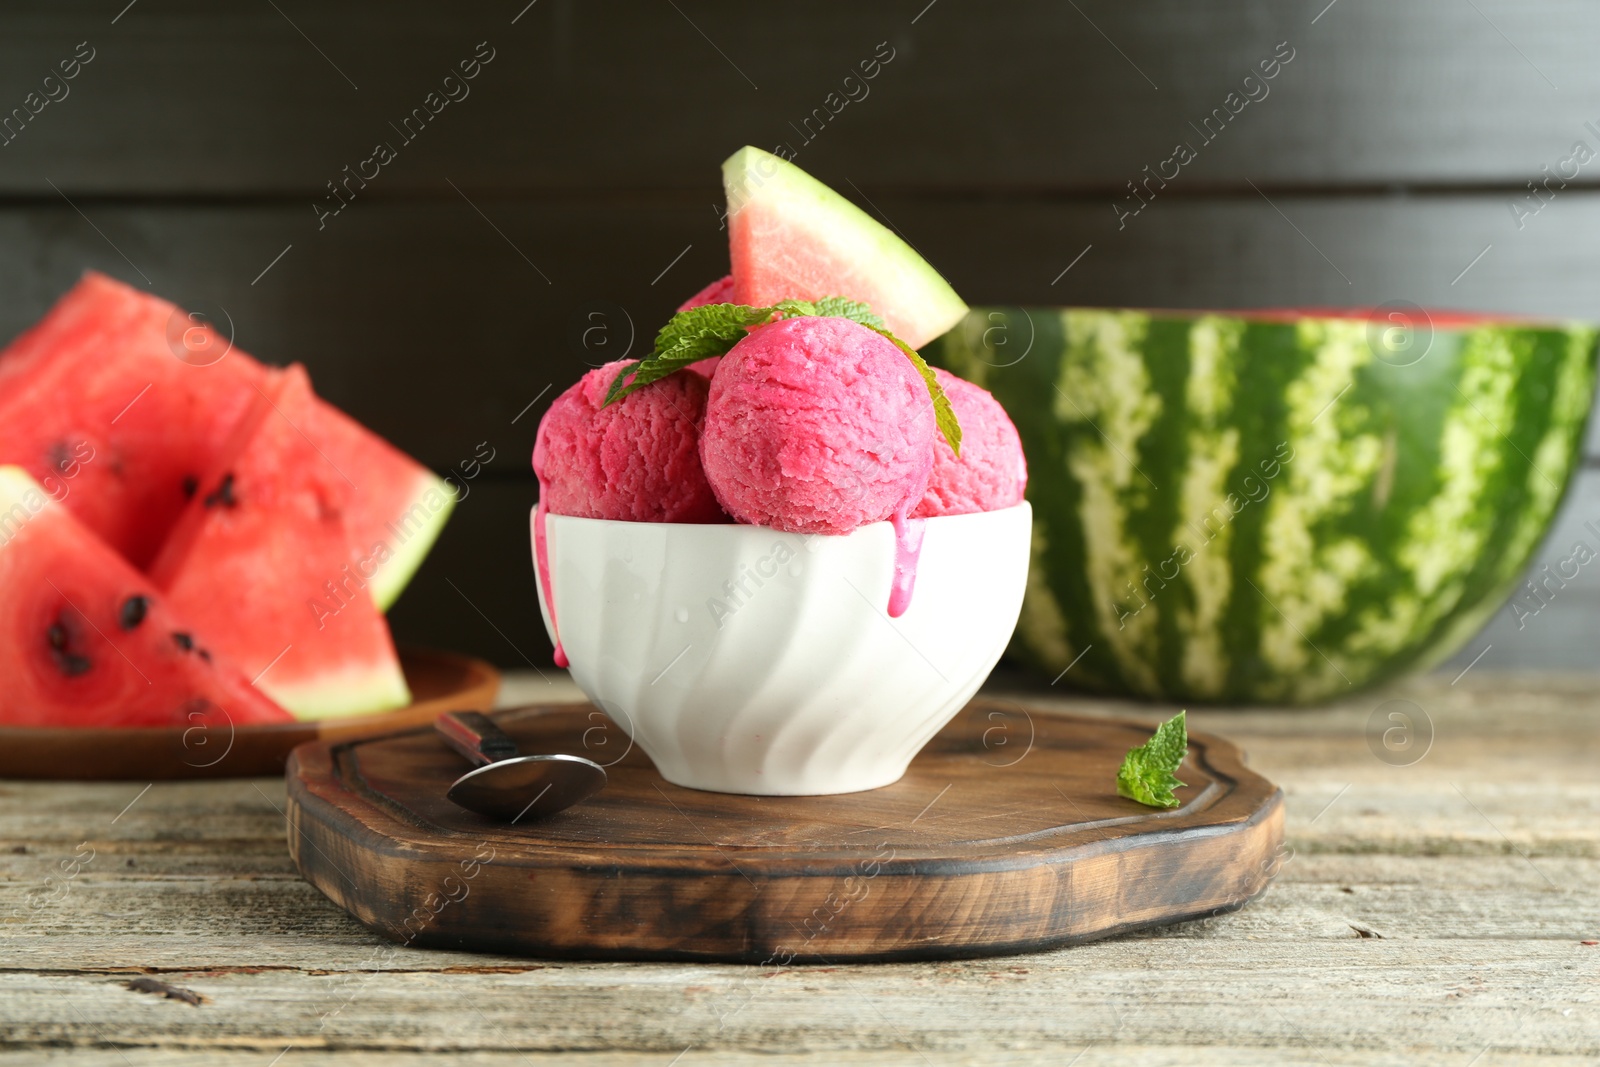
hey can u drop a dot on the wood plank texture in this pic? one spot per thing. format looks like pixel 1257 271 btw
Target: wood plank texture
pixel 578 179
pixel 1032 95
pixel 424 322
pixel 458 286
pixel 1480 900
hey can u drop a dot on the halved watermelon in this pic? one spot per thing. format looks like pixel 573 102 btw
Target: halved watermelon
pixel 790 236
pixel 90 642
pixel 1344 495
pixel 96 402
pixel 261 561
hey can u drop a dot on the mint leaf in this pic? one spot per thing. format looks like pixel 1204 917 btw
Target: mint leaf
pixel 840 308
pixel 713 329
pixel 943 414
pixel 833 307
pixel 1147 771
pixel 688 337
pixel 794 309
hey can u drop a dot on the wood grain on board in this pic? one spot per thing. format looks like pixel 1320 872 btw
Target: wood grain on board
pixel 1034 849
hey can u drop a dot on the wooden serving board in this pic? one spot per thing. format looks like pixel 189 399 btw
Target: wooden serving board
pixel 1005 835
pixel 439 682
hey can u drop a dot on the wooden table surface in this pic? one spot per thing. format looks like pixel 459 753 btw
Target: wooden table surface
pixel 1444 911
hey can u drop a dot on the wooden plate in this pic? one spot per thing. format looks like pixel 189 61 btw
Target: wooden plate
pixel 439 681
pixel 1005 835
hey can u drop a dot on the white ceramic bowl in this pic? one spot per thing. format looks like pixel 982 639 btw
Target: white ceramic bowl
pixel 747 660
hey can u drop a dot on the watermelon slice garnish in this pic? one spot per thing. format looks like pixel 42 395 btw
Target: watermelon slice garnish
pixel 260 560
pixel 98 377
pixel 89 641
pixel 792 237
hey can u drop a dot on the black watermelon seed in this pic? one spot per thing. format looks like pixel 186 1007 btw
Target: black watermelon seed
pixel 69 663
pixel 133 612
pixel 203 654
pixel 183 640
pixel 191 486
pixel 223 494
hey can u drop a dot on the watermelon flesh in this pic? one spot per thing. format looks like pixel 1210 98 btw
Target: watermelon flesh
pixel 791 237
pixel 90 642
pixel 260 560
pixel 93 399
pixel 66 386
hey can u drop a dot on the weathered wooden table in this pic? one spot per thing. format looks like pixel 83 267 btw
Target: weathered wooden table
pixel 1437 911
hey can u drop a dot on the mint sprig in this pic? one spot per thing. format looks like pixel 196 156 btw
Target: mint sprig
pixel 1146 774
pixel 943 414
pixel 713 329
pixel 688 337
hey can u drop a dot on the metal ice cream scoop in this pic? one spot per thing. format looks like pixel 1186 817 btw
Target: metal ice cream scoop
pixel 507 786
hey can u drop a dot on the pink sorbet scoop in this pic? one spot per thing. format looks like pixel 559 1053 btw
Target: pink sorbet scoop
pixel 817 425
pixel 718 292
pixel 637 460
pixel 991 472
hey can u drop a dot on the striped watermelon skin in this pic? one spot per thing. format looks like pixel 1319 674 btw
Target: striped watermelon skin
pixel 1244 508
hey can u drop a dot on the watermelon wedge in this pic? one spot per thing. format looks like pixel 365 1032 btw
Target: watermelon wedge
pixel 791 237
pixel 90 642
pixel 261 561
pixel 96 402
pixel 95 406
pixel 396 506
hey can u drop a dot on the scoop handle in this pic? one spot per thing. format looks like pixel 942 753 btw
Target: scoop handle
pixel 475 736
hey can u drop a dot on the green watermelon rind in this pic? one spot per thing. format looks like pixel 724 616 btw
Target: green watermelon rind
pixel 1414 499
pixel 406 555
pixel 21 500
pixel 351 694
pixel 750 174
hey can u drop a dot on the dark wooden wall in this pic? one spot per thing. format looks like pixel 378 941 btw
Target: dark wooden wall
pixel 580 176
